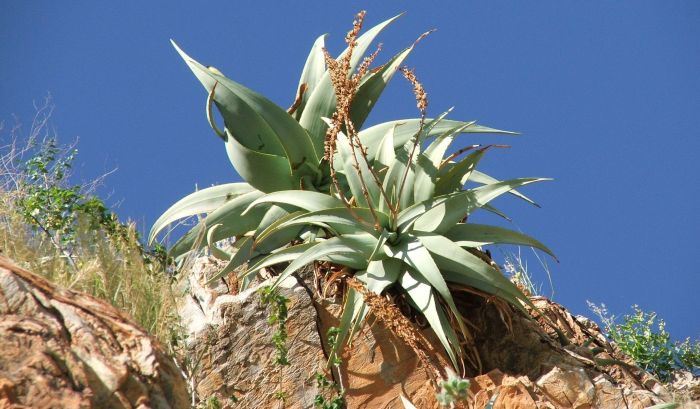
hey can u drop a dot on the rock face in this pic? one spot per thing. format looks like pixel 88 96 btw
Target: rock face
pixel 231 340
pixel 525 363
pixel 63 349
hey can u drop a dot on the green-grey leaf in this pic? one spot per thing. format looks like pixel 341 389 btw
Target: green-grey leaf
pixel 321 102
pixel 230 217
pixel 421 293
pixel 303 199
pixel 314 68
pixel 355 247
pixel 380 274
pixel 199 202
pixel 484 179
pixel 255 121
pixel 452 180
pixel 407 128
pixel 414 254
pixel 248 163
pixel 474 235
pixel 372 87
pixel 444 215
pixel 470 270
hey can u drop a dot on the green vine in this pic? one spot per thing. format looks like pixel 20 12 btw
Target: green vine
pixel 326 386
pixel 278 315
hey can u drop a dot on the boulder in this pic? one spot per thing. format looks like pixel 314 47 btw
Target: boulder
pixel 64 349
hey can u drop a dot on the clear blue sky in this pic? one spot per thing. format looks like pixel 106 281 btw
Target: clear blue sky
pixel 606 95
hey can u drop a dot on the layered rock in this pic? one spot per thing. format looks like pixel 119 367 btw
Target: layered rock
pixel 63 349
pixel 525 363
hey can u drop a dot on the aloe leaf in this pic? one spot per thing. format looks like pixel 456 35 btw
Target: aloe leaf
pixel 255 121
pixel 380 274
pixel 484 179
pixel 321 102
pixel 199 202
pixel 355 247
pixel 282 256
pixel 354 178
pixel 243 252
pixel 352 310
pixel 340 219
pixel 415 255
pixel 421 293
pixel 444 215
pixel 273 214
pixel 386 153
pixel 497 212
pixel 452 180
pixel 277 174
pixel 211 244
pixel 303 199
pixel 372 87
pixel 428 164
pixel 407 128
pixel 475 235
pixel 262 233
pixel 313 71
pixel 470 269
pixel 230 216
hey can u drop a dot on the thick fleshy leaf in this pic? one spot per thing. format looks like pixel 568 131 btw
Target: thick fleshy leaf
pixel 484 179
pixel 341 219
pixel 314 68
pixel 248 163
pixel 322 102
pixel 474 235
pixel 243 253
pixel 230 216
pixel 470 270
pixel 421 294
pixel 284 255
pixel 386 153
pixel 303 199
pixel 256 122
pixel 354 313
pixel 199 202
pixel 372 86
pixel 413 253
pixel 380 274
pixel 446 214
pixel 356 172
pixel 407 128
pixel 452 180
pixel 428 164
pixel 355 247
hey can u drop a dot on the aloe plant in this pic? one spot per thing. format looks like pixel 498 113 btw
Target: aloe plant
pixel 387 202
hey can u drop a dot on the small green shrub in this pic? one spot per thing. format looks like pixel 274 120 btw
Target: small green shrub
pixel 645 339
pixel 453 390
pixel 67 234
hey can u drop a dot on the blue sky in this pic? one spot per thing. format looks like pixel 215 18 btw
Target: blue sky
pixel 605 94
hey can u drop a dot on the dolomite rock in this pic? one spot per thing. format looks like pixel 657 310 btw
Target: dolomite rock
pixel 524 363
pixel 64 349
pixel 232 340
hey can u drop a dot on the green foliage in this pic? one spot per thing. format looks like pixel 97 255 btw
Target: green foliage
pixel 644 339
pixel 278 315
pixel 388 202
pixel 327 387
pixel 453 390
pixel 65 233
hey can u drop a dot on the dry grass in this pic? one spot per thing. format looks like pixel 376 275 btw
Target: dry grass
pixel 114 269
